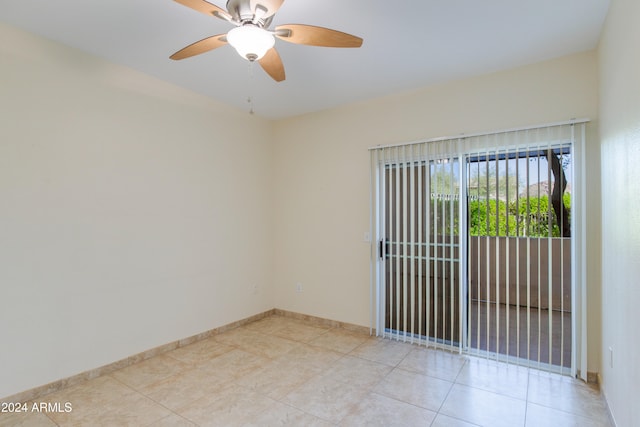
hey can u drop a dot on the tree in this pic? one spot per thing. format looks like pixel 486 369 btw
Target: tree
pixel 559 185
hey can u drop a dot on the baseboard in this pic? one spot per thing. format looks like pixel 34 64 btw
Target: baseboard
pixel 325 322
pixel 606 402
pixel 37 392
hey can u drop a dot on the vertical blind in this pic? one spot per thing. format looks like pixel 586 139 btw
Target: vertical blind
pixel 419 258
pixel 440 278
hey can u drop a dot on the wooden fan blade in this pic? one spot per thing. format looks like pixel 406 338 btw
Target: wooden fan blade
pixel 207 8
pixel 271 6
pixel 202 46
pixel 272 64
pixel 316 36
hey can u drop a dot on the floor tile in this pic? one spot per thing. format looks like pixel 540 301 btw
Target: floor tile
pixel 25 419
pixel 326 398
pixel 262 345
pixel 93 393
pixel 238 337
pixel 200 351
pixel 280 414
pixel 446 421
pixel 567 394
pixel 182 389
pixel 358 372
pixel 542 416
pixel 268 325
pixel 233 364
pixel 276 379
pixel 173 420
pixel 231 405
pixel 133 410
pixel 89 399
pixel 435 363
pixel 311 358
pixel 416 389
pixel 483 407
pixel 270 346
pixel 150 371
pixel 382 351
pixel 300 331
pixel 502 378
pixel 340 340
pixel 377 410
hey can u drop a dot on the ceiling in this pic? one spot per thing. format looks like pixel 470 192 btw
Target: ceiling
pixel 408 44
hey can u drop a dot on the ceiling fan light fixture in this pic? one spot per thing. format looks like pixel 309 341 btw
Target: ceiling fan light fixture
pixel 251 37
pixel 250 41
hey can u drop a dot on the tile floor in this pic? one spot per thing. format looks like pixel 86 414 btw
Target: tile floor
pixel 282 371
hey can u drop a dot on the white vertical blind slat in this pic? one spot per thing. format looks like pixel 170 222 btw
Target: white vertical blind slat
pixel 427 244
pixel 398 243
pixel 509 247
pixel 497 266
pixel 411 239
pixel 539 244
pixel 452 233
pixel 402 308
pixel 550 257
pixel 420 243
pixel 517 265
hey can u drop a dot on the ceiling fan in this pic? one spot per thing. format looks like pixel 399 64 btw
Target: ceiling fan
pixel 251 37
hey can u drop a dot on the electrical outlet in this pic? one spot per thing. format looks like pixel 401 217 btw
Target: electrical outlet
pixel 298 287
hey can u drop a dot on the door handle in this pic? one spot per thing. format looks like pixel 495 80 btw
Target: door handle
pixel 383 249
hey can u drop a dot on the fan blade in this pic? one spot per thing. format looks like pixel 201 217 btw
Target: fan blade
pixel 272 64
pixel 271 6
pixel 202 46
pixel 207 8
pixel 316 36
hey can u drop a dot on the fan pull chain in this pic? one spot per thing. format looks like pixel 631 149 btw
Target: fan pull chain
pixel 250 86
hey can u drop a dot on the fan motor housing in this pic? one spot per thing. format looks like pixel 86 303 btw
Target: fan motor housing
pixel 249 11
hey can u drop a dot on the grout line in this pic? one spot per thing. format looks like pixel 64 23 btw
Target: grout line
pixel 51 419
pixel 526 396
pixel 160 404
pixel 404 401
pixel 453 383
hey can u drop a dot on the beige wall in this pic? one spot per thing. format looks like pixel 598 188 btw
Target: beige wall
pixel 132 212
pixel 322 174
pixel 127 222
pixel 620 139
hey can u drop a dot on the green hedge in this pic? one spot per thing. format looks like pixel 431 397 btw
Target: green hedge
pixel 495 218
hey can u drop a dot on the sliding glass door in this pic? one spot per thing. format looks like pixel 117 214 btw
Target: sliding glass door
pixel 476 246
pixel 519 259
pixel 421 250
